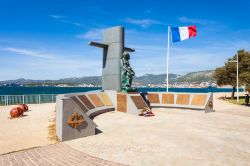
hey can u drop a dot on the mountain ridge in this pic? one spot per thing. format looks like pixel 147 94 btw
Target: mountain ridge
pixel 192 77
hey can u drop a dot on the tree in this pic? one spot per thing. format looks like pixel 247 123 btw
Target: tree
pixel 244 67
pixel 227 75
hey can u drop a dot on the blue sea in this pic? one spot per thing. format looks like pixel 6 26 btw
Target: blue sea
pixel 63 90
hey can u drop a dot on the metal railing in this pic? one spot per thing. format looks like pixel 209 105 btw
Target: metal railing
pixel 27 99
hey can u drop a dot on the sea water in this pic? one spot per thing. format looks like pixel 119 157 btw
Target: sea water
pixel 63 90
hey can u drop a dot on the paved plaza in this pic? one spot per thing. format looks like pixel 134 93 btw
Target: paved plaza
pixel 58 154
pixel 172 137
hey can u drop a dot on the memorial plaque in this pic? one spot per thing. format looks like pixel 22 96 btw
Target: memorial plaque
pixel 139 102
pixel 106 99
pixel 86 102
pixel 199 100
pixel 182 99
pixel 121 102
pixel 83 108
pixel 75 120
pixel 167 98
pixel 96 100
pixel 153 98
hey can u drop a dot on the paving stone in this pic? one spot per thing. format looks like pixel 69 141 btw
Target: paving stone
pixel 58 154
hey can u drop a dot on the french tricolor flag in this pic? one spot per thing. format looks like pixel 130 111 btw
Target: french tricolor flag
pixel 182 33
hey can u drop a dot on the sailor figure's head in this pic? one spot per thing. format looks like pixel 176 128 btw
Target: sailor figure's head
pixel 126 55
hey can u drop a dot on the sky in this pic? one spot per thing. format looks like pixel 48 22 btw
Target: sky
pixel 48 39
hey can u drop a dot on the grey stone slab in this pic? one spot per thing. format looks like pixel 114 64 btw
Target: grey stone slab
pixel 113 66
pixel 112 96
pixel 109 83
pixel 113 34
pixel 59 116
pixel 115 50
pixel 209 104
pixel 65 108
pixel 68 104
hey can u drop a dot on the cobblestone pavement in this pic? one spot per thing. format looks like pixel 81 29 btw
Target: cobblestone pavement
pixel 57 154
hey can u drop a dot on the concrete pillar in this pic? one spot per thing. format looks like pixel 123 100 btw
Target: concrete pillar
pixel 111 72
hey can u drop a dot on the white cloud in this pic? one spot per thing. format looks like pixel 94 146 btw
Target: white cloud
pixel 27 52
pixel 94 34
pixel 50 65
pixel 143 22
pixel 151 58
pixel 195 21
pixel 62 19
pixel 57 16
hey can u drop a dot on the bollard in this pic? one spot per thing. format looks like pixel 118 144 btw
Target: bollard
pixel 247 99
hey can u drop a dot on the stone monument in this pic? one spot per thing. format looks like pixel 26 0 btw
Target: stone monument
pixel 113 49
pixel 75 112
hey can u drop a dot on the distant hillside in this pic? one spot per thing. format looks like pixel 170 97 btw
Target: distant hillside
pixel 194 77
pixel 21 81
pixel 197 77
pixel 155 79
pixel 94 80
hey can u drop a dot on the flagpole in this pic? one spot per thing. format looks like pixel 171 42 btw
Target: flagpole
pixel 168 54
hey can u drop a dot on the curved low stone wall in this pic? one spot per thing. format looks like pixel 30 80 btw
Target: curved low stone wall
pixel 199 101
pixel 135 102
pixel 75 113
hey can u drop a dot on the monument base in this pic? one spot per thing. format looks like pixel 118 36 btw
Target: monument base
pixel 75 112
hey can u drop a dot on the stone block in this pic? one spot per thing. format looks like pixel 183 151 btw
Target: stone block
pixel 86 101
pixel 75 99
pixel 105 99
pixel 199 100
pixel 96 100
pixel 167 98
pixel 65 108
pixel 139 102
pixel 121 102
pixel 183 99
pixel 153 98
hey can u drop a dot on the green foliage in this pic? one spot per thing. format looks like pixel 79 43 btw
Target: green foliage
pixel 248 88
pixel 244 68
pixel 227 75
pixel 241 101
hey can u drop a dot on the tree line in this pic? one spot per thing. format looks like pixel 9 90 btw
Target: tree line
pixel 227 74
